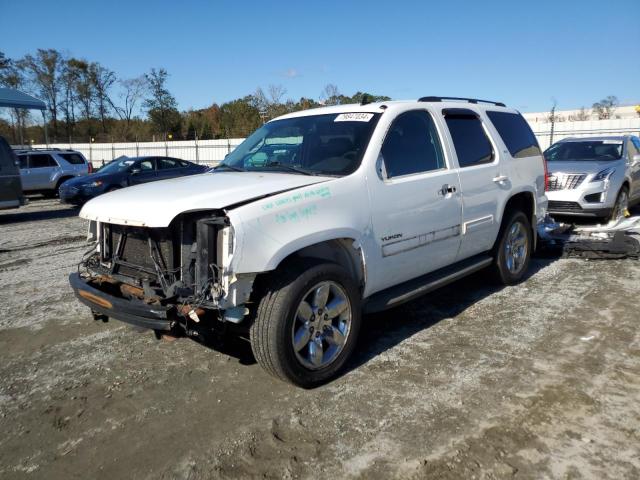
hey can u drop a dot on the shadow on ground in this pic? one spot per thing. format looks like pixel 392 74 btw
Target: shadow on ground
pixel 383 331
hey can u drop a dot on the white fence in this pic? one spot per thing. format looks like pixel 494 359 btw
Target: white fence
pixel 213 151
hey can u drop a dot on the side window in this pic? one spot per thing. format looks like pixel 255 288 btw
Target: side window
pixel 23 161
pixel 412 145
pixel 41 160
pixel 469 138
pixel 183 163
pixel 146 165
pixel 515 133
pixel 73 158
pixel 165 163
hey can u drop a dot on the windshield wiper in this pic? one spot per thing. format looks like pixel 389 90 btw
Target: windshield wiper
pixel 291 168
pixel 230 167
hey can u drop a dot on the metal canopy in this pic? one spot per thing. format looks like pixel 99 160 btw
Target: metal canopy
pixel 10 97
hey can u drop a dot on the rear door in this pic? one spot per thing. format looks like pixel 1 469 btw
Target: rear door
pixel 144 171
pixel 76 163
pixel 483 182
pixel 42 168
pixel 416 203
pixel 169 168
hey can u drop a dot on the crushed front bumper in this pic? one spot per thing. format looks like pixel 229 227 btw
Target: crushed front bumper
pixel 155 317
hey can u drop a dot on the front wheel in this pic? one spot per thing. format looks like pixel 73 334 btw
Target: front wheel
pixel 307 322
pixel 621 206
pixel 513 250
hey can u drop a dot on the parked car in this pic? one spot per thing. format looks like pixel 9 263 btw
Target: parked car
pixel 315 218
pixel 595 176
pixel 11 195
pixel 124 172
pixel 43 171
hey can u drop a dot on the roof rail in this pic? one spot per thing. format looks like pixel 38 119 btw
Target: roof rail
pixel 470 100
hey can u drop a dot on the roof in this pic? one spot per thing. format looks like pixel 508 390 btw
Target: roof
pixel 10 97
pixel 379 107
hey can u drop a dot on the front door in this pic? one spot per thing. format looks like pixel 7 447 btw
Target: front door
pixel 415 201
pixel 144 171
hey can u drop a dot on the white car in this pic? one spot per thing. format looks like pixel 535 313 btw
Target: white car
pixel 317 217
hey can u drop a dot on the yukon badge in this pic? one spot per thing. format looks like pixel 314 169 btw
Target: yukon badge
pixel 394 236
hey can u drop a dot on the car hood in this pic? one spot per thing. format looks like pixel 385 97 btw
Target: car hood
pixel 577 166
pixel 85 179
pixel 156 204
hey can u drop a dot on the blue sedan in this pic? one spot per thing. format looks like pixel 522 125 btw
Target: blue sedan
pixel 124 172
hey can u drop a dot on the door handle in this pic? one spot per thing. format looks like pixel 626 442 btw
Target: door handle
pixel 446 189
pixel 500 178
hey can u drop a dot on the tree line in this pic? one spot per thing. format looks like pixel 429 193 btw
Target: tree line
pixel 87 101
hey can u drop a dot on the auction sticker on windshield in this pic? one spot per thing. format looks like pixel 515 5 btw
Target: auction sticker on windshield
pixel 354 117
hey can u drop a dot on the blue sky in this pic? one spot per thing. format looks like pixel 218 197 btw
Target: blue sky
pixel 522 53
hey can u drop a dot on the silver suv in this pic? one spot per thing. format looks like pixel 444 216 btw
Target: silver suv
pixel 43 171
pixel 595 176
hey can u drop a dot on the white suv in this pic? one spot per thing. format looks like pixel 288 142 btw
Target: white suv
pixel 318 216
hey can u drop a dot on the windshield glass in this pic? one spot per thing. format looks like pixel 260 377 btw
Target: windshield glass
pixel 596 150
pixel 117 165
pixel 330 144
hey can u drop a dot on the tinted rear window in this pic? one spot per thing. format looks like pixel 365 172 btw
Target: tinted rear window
pixel 515 133
pixel 72 158
pixel 469 138
pixel 41 160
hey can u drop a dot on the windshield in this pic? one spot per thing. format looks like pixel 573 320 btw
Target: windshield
pixel 330 144
pixel 596 150
pixel 117 165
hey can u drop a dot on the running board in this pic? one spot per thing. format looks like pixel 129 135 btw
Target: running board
pixel 407 291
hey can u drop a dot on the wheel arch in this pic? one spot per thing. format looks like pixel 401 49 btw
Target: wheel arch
pixel 343 250
pixel 523 201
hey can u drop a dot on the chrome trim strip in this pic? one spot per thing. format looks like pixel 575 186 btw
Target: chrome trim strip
pixel 420 240
pixel 472 225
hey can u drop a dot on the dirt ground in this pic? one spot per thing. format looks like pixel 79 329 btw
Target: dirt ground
pixel 536 381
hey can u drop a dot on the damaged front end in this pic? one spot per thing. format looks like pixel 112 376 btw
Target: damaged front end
pixel 176 278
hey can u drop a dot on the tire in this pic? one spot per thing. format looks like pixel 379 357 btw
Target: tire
pixel 325 340
pixel 512 252
pixel 621 205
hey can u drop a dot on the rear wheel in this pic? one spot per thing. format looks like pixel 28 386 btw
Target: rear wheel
pixel 307 323
pixel 621 206
pixel 513 250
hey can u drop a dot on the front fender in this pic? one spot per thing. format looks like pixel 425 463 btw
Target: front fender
pixel 270 229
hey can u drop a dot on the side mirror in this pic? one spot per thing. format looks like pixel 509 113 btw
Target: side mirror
pixel 135 171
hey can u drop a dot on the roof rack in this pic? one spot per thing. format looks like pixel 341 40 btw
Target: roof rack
pixel 22 150
pixel 470 100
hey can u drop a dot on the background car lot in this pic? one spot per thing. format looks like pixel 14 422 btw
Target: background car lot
pixel 535 380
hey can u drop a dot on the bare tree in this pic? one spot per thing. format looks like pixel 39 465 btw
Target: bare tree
pixel 103 79
pixel 582 115
pixel 276 93
pixel 13 77
pixel 132 92
pixel 45 69
pixel 606 107
pixel 330 94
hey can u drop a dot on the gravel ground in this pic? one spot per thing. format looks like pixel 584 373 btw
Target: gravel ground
pixel 537 381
